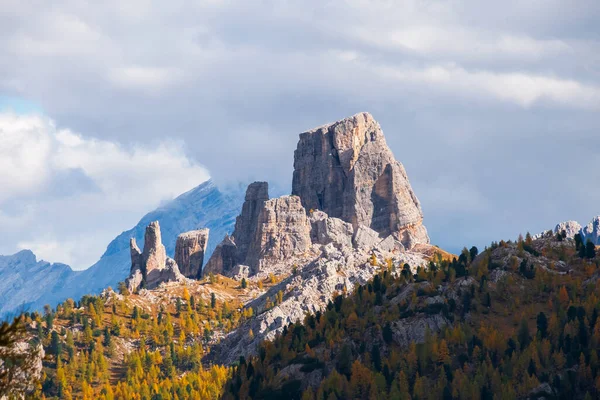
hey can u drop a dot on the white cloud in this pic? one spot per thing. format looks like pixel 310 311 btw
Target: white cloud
pixel 24 151
pixel 229 76
pixel 524 89
pixel 453 42
pixel 150 78
pixel 66 196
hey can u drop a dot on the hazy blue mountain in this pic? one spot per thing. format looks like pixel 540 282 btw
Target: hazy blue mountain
pixel 26 284
pixel 24 280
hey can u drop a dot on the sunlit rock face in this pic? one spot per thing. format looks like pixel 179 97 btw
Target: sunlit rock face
pixel 151 267
pixel 347 170
pixel 266 230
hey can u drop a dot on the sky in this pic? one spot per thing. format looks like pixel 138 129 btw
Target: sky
pixel 108 109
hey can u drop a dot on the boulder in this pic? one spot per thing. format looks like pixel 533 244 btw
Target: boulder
pixel 325 230
pixel 390 245
pixel 365 238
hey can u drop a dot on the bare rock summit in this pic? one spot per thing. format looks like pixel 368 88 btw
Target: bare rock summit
pixel 347 170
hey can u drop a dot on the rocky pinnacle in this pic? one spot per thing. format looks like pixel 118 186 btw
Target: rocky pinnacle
pixel 347 170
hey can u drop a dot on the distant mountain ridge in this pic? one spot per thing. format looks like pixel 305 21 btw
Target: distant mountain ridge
pixel 28 284
pixel 22 273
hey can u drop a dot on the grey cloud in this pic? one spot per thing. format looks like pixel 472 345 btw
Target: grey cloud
pixel 245 78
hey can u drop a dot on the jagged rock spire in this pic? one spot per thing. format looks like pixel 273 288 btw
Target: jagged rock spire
pixel 151 267
pixel 266 230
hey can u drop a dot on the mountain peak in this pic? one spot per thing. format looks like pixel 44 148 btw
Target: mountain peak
pixel 26 256
pixel 347 170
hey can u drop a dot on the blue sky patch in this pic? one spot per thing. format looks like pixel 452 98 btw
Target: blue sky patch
pixel 19 105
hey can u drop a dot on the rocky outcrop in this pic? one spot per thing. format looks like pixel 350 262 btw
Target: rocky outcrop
pixel 189 252
pixel 414 329
pixel 333 270
pixel 223 259
pixel 151 267
pixel 357 195
pixel 267 231
pixel 136 255
pixel 247 222
pixel 365 238
pixel 136 276
pixel 282 231
pixel 325 230
pixel 154 255
pixel 347 170
pixel 21 368
pixel 571 228
pixel 233 250
pixel 591 231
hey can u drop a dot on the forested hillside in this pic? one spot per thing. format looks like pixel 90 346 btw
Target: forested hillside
pixel 519 320
pixel 140 346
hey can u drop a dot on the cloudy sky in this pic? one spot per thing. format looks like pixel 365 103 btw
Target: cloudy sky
pixel 109 108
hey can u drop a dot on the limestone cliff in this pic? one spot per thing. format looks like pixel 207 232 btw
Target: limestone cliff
pixel 246 223
pixel 189 252
pixel 266 231
pixel 282 231
pixel 347 170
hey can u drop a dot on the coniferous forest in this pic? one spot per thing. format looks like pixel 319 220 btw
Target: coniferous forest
pixel 518 320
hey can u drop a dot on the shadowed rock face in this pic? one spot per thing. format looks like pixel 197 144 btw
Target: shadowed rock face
pixel 189 252
pixel 247 222
pixel 347 170
pixel 136 275
pixel 233 250
pixel 223 259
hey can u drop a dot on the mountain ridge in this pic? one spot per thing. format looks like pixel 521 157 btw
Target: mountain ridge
pixel 203 206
